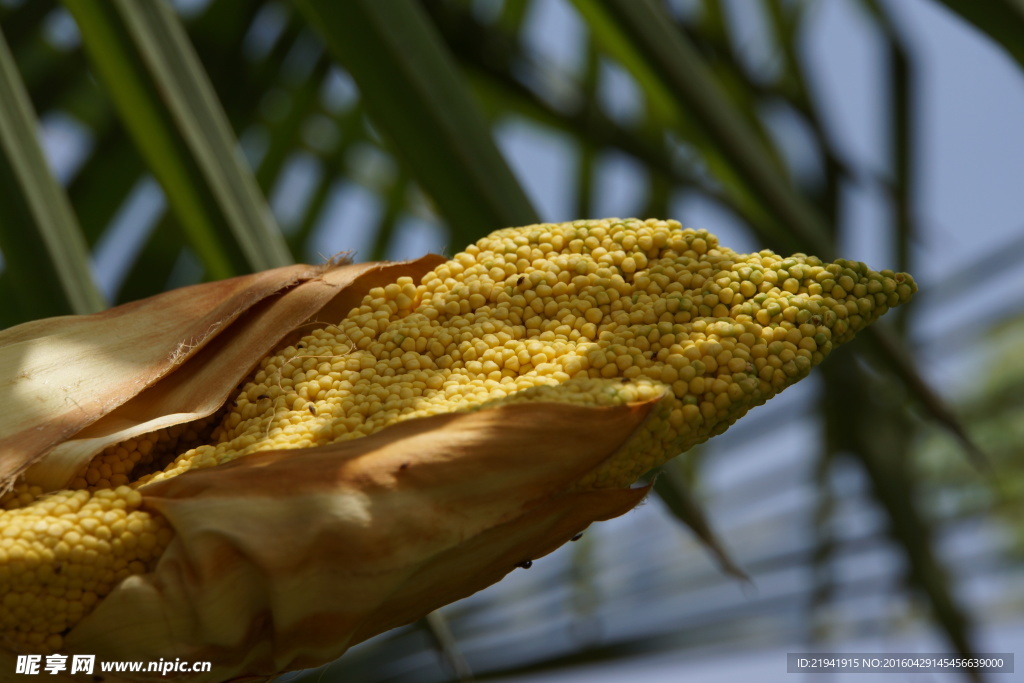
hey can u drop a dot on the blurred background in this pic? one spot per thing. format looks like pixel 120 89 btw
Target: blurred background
pixel 876 506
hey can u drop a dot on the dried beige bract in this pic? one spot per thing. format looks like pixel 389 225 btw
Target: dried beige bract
pixel 406 436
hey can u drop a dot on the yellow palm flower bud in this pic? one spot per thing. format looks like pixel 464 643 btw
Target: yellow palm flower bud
pixel 265 471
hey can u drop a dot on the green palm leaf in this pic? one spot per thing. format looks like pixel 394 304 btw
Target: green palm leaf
pixel 413 92
pixel 66 253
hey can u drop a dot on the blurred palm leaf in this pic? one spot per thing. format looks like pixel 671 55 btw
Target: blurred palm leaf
pixel 65 252
pixel 410 87
pixel 162 93
pixel 1000 20
pixel 372 126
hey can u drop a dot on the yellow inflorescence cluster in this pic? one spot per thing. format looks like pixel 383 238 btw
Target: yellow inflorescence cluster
pixel 645 302
pixel 590 312
pixel 61 553
pixel 123 463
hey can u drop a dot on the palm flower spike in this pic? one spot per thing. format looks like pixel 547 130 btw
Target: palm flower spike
pixel 265 471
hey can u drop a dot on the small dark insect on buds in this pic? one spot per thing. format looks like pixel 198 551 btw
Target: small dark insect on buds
pixel 261 397
pixel 312 408
pixel 521 280
pixel 525 564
